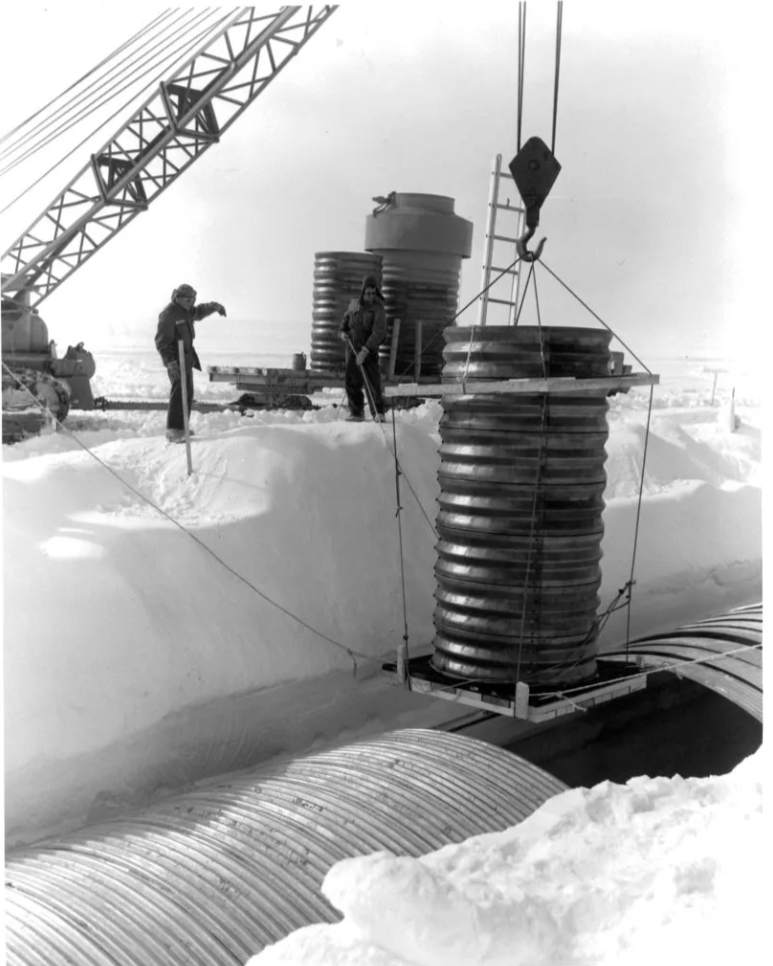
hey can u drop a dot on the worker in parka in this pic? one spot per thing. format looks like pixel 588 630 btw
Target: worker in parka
pixel 176 323
pixel 363 329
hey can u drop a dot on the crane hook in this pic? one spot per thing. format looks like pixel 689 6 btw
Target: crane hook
pixel 520 246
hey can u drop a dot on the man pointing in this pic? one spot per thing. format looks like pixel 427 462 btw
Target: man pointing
pixel 176 323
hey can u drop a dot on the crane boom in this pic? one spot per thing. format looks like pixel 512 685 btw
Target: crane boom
pixel 162 139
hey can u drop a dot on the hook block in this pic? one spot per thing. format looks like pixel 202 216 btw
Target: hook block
pixel 534 170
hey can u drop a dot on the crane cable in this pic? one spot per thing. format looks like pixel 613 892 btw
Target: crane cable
pixel 559 20
pixel 131 100
pixel 88 74
pixel 522 68
pixel 351 652
pixel 521 63
pixel 9 149
pixel 152 61
pixel 95 88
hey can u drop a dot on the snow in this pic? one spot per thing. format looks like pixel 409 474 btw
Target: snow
pixel 658 869
pixel 161 628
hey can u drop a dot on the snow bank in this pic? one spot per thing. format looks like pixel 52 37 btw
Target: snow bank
pixel 655 870
pixel 160 628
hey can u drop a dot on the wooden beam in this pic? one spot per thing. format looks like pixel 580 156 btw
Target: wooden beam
pixel 553 384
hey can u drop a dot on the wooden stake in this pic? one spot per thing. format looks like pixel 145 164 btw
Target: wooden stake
pixel 184 389
pixel 393 349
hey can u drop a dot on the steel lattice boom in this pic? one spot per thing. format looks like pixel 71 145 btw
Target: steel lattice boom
pixel 168 133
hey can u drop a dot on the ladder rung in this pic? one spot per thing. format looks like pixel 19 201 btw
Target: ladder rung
pixel 503 238
pixel 501 301
pixel 509 207
pixel 503 174
pixel 507 271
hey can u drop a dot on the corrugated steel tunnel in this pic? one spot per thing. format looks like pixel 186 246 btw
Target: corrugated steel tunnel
pixel 211 877
pixel 214 875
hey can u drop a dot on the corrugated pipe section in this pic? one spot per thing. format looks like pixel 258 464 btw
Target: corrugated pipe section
pixel 211 877
pixel 521 500
pixel 723 653
pixel 422 243
pixel 338 278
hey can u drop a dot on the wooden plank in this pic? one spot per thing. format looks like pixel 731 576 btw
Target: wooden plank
pixel 293 380
pixel 554 384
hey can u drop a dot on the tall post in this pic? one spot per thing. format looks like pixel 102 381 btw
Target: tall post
pixel 393 349
pixel 417 350
pixel 184 391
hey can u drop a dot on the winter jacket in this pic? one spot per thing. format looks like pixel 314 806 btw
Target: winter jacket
pixel 176 321
pixel 366 326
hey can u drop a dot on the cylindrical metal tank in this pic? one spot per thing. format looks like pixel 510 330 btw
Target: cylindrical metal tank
pixel 211 877
pixel 337 279
pixel 421 243
pixel 520 508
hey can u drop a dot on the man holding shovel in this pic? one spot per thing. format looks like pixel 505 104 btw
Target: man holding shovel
pixel 363 329
pixel 175 323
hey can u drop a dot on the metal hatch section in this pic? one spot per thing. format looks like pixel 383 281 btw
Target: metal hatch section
pixel 211 877
pixel 722 653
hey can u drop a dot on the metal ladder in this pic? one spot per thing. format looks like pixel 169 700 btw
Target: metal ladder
pixel 513 275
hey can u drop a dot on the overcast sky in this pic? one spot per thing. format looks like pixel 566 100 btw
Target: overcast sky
pixel 648 221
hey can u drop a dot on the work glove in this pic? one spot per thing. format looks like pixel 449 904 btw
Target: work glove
pixel 173 368
pixel 220 308
pixel 354 305
pixel 344 335
pixel 362 355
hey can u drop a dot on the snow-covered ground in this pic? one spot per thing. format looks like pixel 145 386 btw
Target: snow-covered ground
pixel 658 870
pixel 160 628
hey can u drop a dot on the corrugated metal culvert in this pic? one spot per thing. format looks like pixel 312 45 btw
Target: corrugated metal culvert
pixel 724 654
pixel 211 877
pixel 520 508
pixel 422 243
pixel 337 279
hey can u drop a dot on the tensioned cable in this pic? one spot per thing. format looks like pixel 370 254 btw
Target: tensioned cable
pixel 532 528
pixel 88 74
pixel 406 655
pixel 559 20
pixel 540 459
pixel 519 308
pixel 521 65
pixel 662 667
pixel 595 316
pixel 539 329
pixel 63 108
pixel 153 62
pixel 638 516
pixel 630 583
pixel 134 97
pixel 464 308
pixel 350 651
pixel 372 407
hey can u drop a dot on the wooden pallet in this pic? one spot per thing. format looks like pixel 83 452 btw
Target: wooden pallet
pixel 613 680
